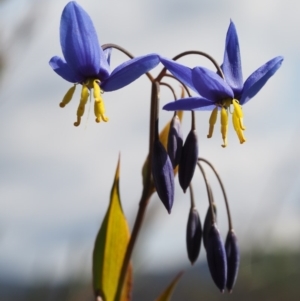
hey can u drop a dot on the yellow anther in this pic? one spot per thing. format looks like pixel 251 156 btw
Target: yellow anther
pixel 237 108
pixel 224 126
pixel 212 121
pixel 68 97
pixel 83 100
pixel 239 113
pixel 97 91
pixel 99 110
pixel 238 128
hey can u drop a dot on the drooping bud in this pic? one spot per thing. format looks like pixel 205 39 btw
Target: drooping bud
pixel 216 258
pixel 188 160
pixel 163 175
pixel 193 235
pixel 207 223
pixel 233 259
pixel 175 141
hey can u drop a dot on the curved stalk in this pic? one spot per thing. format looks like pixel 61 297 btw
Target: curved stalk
pixel 192 196
pixel 170 87
pixel 223 191
pixel 208 193
pixel 123 50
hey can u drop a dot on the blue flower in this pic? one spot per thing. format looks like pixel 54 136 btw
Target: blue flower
pixel 87 64
pixel 217 94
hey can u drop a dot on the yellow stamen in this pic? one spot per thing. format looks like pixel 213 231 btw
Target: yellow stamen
pixel 239 113
pixel 99 110
pixel 68 97
pixel 83 100
pixel 212 121
pixel 99 107
pixel 237 127
pixel 224 126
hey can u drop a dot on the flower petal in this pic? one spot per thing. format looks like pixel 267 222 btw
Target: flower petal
pixel 79 41
pixel 187 104
pixel 210 85
pixel 62 69
pixel 105 64
pixel 182 73
pixel 232 66
pixel 258 79
pixel 129 71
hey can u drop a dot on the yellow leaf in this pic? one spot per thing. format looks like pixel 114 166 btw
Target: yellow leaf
pixel 167 294
pixel 110 247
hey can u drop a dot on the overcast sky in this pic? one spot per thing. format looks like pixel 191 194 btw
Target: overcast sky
pixel 55 179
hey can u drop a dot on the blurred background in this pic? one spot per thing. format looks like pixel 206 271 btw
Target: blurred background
pixel 55 179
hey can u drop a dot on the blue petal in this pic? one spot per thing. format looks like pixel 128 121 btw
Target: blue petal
pixel 182 73
pixel 258 79
pixel 210 85
pixel 79 41
pixel 187 104
pixel 63 70
pixel 129 71
pixel 232 66
pixel 105 71
pixel 107 52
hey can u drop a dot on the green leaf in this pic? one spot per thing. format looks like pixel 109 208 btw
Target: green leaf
pixel 167 294
pixel 110 247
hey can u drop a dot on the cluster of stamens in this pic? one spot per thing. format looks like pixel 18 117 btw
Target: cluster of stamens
pixel 237 120
pixel 99 108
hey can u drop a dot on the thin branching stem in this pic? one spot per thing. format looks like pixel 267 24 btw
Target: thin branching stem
pixel 223 191
pixel 146 194
pixel 192 196
pixel 211 205
pixel 170 87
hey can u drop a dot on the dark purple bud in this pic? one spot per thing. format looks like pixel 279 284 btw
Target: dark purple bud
pixel 188 160
pixel 208 222
pixel 163 175
pixel 233 259
pixel 175 141
pixel 216 258
pixel 193 235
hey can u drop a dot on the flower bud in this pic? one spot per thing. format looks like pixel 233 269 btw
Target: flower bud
pixel 193 235
pixel 163 175
pixel 233 259
pixel 216 257
pixel 207 223
pixel 175 141
pixel 188 160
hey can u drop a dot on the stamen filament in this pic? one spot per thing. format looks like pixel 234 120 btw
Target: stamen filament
pixel 212 121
